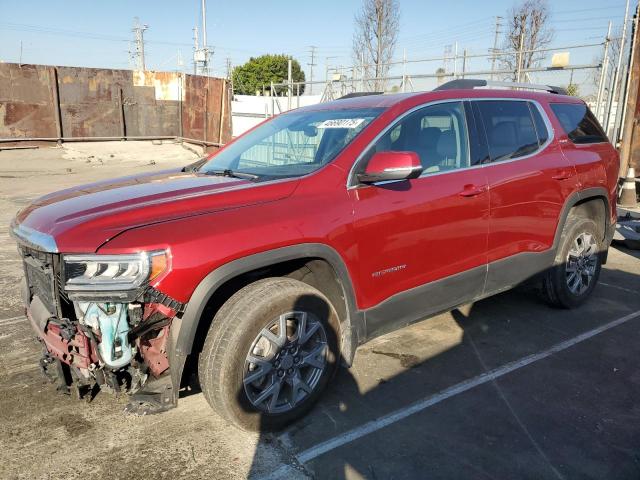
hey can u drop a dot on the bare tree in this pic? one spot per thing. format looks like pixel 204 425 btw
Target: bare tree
pixel 374 41
pixel 528 30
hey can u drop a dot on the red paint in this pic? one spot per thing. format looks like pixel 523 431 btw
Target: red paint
pixel 77 352
pixel 435 226
pixel 386 160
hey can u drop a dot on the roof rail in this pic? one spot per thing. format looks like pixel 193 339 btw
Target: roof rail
pixel 464 84
pixel 359 94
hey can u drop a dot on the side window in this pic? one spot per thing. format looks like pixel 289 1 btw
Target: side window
pixel 510 128
pixel 437 133
pixel 579 123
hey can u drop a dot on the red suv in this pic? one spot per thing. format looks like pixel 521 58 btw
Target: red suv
pixel 265 264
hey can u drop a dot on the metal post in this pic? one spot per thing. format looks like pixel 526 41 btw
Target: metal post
pixel 290 84
pixel 206 110
pixel 603 75
pixel 520 56
pixel 455 61
pixel 181 103
pixel 223 105
pixel 204 38
pixel 272 94
pixel 630 66
pixel 362 71
pixel 614 89
pixel 404 69
pixel 195 49
pixel 311 65
pixel 464 61
pixel 495 46
pixel 55 92
pixel 123 127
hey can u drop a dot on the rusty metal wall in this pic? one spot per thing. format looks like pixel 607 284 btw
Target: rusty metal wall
pixel 26 101
pixel 38 101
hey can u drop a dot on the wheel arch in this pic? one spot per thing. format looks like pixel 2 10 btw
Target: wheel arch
pixel 585 201
pixel 320 260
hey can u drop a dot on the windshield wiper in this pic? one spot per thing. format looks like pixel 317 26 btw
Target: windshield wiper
pixel 195 166
pixel 231 173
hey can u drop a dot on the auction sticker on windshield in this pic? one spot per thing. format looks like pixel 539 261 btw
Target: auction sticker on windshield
pixel 342 123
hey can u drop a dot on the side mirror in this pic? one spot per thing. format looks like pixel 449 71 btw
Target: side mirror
pixel 386 166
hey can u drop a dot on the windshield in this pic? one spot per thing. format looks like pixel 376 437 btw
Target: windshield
pixel 292 144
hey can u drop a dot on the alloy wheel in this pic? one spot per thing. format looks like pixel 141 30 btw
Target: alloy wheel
pixel 581 263
pixel 285 362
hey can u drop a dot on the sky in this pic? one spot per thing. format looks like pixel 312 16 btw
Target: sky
pixel 98 33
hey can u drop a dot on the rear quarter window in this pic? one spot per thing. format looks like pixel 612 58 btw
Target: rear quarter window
pixel 510 129
pixel 579 123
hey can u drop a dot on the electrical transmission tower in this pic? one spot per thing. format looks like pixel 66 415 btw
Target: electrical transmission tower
pixel 137 54
pixel 312 52
pixel 202 54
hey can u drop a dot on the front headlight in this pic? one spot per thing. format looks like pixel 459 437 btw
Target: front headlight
pixel 112 272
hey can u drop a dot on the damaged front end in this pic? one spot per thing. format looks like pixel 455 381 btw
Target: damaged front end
pixel 102 324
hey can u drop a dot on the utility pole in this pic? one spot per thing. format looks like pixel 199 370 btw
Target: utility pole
pixel 201 55
pixel 179 62
pixel 138 32
pixel 603 75
pixel 495 45
pixel 616 76
pixel 312 52
pixel 630 66
pixel 195 50
pixel 629 142
pixel 205 63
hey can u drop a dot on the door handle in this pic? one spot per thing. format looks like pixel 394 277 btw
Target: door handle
pixel 562 175
pixel 472 190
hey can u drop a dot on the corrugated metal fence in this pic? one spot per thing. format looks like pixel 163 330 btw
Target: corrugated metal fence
pixel 45 103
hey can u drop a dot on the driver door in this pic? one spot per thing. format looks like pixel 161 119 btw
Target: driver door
pixel 422 243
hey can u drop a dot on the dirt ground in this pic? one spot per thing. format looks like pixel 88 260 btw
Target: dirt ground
pixel 506 388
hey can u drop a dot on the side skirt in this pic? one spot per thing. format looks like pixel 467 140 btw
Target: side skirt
pixel 443 295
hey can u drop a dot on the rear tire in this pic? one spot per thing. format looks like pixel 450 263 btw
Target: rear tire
pixel 269 353
pixel 577 265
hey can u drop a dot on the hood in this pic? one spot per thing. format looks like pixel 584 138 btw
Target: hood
pixel 81 219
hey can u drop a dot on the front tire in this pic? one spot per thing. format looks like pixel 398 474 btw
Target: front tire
pixel 269 353
pixel 577 265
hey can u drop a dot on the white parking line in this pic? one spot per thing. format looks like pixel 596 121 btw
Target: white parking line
pixel 628 290
pixel 393 417
pixel 12 320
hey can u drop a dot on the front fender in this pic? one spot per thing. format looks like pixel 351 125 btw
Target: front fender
pixel 352 326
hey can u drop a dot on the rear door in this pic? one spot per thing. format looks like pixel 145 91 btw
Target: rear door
pixel 529 180
pixel 422 242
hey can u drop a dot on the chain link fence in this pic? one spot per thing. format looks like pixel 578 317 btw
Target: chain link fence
pixel 585 70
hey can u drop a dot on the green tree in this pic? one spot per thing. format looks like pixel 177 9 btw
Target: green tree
pixel 261 71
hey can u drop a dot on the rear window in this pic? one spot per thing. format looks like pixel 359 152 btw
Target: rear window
pixel 579 123
pixel 511 131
